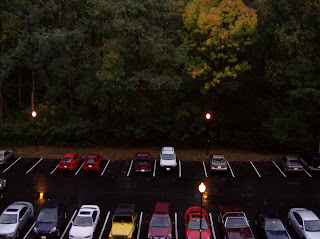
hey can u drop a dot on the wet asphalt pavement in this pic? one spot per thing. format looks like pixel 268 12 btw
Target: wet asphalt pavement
pixel 252 186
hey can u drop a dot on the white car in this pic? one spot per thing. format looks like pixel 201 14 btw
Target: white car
pixel 5 155
pixel 168 158
pixel 305 223
pixel 85 223
pixel 14 218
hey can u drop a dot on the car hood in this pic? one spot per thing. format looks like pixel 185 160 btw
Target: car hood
pixel 159 231
pixel 313 235
pixel 194 234
pixel 76 231
pixel 45 226
pixel 237 233
pixel 122 228
pixel 276 234
pixel 7 228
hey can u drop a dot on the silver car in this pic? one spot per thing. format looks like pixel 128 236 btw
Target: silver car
pixel 218 162
pixel 14 218
pixel 290 164
pixel 305 223
pixel 5 155
pixel 3 183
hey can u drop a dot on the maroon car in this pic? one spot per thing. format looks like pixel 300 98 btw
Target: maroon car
pixel 162 220
pixel 234 222
pixel 142 162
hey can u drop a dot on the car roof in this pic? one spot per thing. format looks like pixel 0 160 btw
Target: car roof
pixel 231 208
pixel 161 208
pixel 92 155
pixel 14 208
pixel 125 209
pixel 52 203
pixel 167 148
pixel 69 155
pixel 218 156
pixel 270 214
pixel 290 157
pixel 307 215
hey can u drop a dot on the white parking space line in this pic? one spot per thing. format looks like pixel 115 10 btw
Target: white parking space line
pixel 154 168
pixel 288 234
pixel 179 169
pixel 130 168
pixel 139 228
pixel 54 169
pixel 105 167
pixel 176 223
pixel 79 169
pixel 255 169
pixel 34 166
pixel 307 173
pixel 104 225
pixel 11 165
pixel 279 169
pixel 25 236
pixel 212 227
pixel 205 169
pixel 67 227
pixel 230 169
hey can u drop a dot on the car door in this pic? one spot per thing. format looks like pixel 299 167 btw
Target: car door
pixel 95 219
pixel 23 217
pixel 297 224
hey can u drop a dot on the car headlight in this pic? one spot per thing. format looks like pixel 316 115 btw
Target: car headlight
pixel 35 230
pixel 10 234
pixel 88 236
pixel 53 230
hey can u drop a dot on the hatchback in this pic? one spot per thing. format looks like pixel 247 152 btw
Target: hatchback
pixel 69 161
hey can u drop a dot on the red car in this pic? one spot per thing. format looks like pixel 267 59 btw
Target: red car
pixel 69 161
pixel 162 220
pixel 234 222
pixel 192 223
pixel 92 162
pixel 142 162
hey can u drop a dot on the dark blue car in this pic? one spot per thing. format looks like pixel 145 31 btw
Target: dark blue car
pixel 271 226
pixel 50 220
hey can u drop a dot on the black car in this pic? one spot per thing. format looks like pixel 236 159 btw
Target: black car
pixel 310 160
pixel 50 219
pixel 271 226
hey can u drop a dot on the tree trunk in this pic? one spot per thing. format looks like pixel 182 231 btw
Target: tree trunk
pixel 1 104
pixel 33 91
pixel 19 90
pixel 70 91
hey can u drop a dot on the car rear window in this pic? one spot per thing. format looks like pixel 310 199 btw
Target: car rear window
pixel 90 160
pixel 66 160
pixel 167 156
pixel 219 160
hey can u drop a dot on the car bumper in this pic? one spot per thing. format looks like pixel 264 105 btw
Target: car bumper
pixel 295 170
pixel 219 169
pixel 46 235
pixel 143 170
pixel 90 169
pixel 67 168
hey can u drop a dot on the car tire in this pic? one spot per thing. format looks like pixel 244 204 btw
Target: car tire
pixel 65 215
pixel 289 222
pixel 285 170
pixel 18 234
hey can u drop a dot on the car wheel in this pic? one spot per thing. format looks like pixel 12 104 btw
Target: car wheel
pixel 65 215
pixel 18 234
pixel 256 222
pixel 285 169
pixel 290 223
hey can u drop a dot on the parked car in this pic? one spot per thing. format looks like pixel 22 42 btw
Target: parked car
pixel 305 222
pixel 3 183
pixel 85 223
pixel 161 224
pixel 192 220
pixel 218 162
pixel 234 222
pixel 168 159
pixel 14 218
pixel 310 160
pixel 142 162
pixel 271 226
pixel 50 219
pixel 290 164
pixel 92 162
pixel 5 155
pixel 123 222
pixel 69 161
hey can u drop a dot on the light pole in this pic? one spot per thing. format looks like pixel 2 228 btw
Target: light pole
pixel 208 117
pixel 202 189
pixel 34 114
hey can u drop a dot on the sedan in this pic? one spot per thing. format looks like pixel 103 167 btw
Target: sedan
pixel 5 155
pixel 305 222
pixel 271 226
pixel 92 162
pixel 85 223
pixel 218 163
pixel 14 218
pixel 69 161
pixel 192 219
pixel 290 164
pixel 3 183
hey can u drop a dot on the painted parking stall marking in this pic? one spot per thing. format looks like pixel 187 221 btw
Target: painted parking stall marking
pixel 139 228
pixel 11 165
pixel 130 168
pixel 29 230
pixel 205 169
pixel 279 169
pixel 307 173
pixel 179 169
pixel 230 169
pixel 69 223
pixel 255 169
pixel 176 223
pixel 79 169
pixel 154 168
pixel 104 224
pixel 105 167
pixel 34 165
pixel 212 226
pixel 54 169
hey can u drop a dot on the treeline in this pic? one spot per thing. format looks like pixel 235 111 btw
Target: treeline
pixel 145 72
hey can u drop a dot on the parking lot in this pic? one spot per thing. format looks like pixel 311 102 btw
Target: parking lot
pixel 252 185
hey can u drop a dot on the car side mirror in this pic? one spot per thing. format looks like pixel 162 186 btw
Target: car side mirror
pixel 300 226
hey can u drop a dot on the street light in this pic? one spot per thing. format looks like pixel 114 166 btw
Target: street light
pixel 34 114
pixel 202 189
pixel 208 117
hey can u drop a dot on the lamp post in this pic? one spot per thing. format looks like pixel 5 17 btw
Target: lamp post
pixel 208 117
pixel 202 189
pixel 34 114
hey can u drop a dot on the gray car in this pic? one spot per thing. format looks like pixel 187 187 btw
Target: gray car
pixel 3 183
pixel 218 162
pixel 305 222
pixel 290 164
pixel 5 155
pixel 14 218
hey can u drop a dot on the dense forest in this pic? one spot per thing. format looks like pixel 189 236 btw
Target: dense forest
pixel 145 72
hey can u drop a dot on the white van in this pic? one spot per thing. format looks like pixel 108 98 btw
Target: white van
pixel 168 159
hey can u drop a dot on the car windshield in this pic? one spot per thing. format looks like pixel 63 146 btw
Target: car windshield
pixel 48 216
pixel 195 225
pixel 167 156
pixel 274 225
pixel 1 155
pixel 312 226
pixel 160 222
pixel 122 219
pixel 8 219
pixel 66 160
pixel 142 162
pixel 219 160
pixel 82 221
pixel 90 160
pixel 236 222
pixel 293 161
